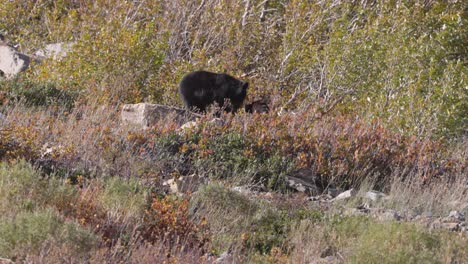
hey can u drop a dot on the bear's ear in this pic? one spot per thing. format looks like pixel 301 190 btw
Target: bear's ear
pixel 245 85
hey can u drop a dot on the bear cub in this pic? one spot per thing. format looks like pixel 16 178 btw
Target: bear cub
pixel 200 89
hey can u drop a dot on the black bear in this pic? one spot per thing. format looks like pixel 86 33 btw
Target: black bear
pixel 199 89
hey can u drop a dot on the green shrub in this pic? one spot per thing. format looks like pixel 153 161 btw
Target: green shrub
pixel 36 94
pixel 23 188
pixel 374 242
pixel 250 225
pixel 228 155
pixel 127 197
pixel 26 232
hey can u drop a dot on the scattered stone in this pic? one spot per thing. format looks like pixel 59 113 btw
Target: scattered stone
pixel 241 189
pixel 374 195
pixel 184 184
pixel 389 215
pixel 189 125
pixel 456 215
pixel 218 122
pixel 194 124
pixel 427 214
pixel 54 50
pixel 345 195
pixel 224 258
pixel 303 180
pixel 12 62
pixel 451 226
pixel 301 186
pixel 356 211
pixel 443 224
pixel 145 115
pixel 333 192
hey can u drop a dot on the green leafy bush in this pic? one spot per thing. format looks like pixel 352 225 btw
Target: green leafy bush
pixel 23 188
pixel 125 197
pixel 245 224
pixel 359 239
pixel 396 242
pixel 26 232
pixel 36 94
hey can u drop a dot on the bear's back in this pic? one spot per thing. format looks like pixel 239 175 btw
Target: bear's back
pixel 199 80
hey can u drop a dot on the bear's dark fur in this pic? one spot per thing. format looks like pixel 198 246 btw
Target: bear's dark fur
pixel 199 89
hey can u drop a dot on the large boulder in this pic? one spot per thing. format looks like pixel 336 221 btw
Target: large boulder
pixel 145 115
pixel 11 61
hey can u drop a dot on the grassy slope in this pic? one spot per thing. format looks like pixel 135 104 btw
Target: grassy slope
pixel 394 72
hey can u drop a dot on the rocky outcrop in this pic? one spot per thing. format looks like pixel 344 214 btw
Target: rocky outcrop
pixel 11 61
pixel 145 115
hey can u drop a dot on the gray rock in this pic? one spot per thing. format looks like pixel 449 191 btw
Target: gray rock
pixel 302 185
pixel 389 215
pixel 224 258
pixel 345 195
pixel 427 214
pixel 184 184
pixel 451 226
pixel 356 211
pixel 216 122
pixel 12 62
pixel 55 50
pixel 145 115
pixel 189 125
pixel 456 215
pixel 303 180
pixel 242 189
pixel 374 195
pixel 333 192
pixel 194 124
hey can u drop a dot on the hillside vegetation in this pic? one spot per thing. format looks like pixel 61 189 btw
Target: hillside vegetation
pixel 363 94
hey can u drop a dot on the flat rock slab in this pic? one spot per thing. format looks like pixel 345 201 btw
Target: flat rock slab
pixel 145 115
